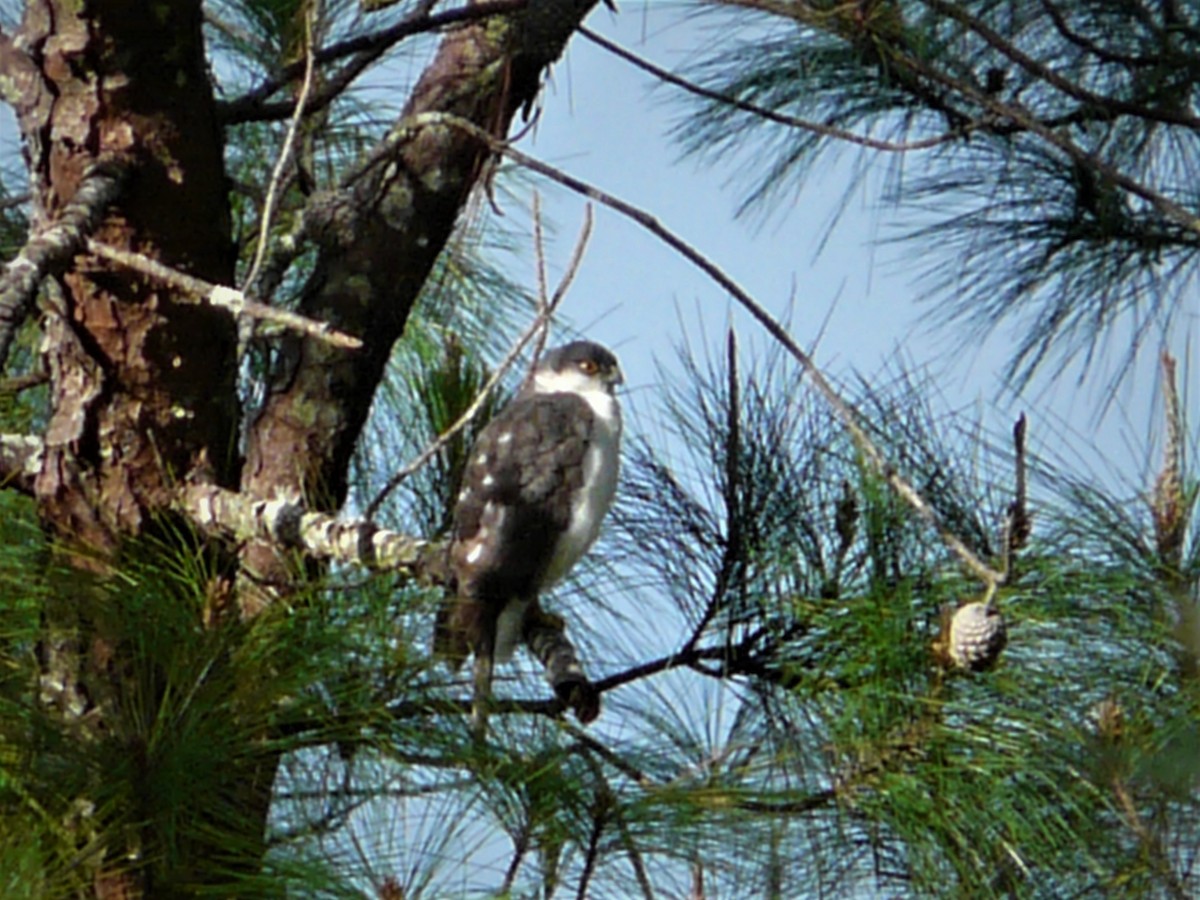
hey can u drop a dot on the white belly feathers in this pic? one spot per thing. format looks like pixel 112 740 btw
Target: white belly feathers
pixel 601 467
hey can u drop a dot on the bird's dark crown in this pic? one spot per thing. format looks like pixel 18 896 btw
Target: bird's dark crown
pixel 578 354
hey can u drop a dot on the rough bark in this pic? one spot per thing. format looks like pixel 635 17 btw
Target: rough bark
pixel 142 388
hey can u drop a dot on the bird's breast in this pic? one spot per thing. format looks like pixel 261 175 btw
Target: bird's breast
pixel 601 468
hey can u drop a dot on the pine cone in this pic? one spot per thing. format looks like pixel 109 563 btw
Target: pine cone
pixel 977 636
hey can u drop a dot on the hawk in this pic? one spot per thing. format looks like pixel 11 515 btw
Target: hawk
pixel 536 487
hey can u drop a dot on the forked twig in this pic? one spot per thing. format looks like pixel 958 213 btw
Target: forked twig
pixel 536 327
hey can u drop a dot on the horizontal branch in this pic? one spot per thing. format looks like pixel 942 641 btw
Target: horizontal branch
pixel 226 298
pixel 50 250
pixel 287 523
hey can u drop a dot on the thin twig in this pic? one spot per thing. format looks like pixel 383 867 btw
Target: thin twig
pixel 543 294
pixel 771 115
pixel 600 820
pixel 285 154
pixel 226 298
pixel 536 327
pixel 825 388
pixel 520 848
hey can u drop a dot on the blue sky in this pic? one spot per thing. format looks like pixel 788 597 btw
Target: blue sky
pixel 608 123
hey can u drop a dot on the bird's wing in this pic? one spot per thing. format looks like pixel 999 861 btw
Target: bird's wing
pixel 515 502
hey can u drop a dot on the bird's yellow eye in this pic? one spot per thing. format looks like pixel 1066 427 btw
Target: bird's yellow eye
pixel 587 367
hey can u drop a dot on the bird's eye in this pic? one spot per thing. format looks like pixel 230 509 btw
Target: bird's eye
pixel 587 367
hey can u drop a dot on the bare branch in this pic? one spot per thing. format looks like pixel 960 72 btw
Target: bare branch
pixel 771 115
pixel 285 156
pixel 51 249
pixel 543 292
pixel 226 298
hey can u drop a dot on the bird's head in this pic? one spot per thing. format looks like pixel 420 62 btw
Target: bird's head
pixel 576 368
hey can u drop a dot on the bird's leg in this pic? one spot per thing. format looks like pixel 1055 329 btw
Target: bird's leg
pixel 482 691
pixel 545 636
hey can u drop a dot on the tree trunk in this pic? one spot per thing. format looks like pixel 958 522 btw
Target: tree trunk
pixel 143 387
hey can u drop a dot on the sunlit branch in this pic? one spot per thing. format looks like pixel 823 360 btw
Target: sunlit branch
pixel 233 301
pixel 52 249
pixel 289 524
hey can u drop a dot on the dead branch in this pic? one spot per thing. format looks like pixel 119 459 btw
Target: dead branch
pixel 50 250
pixel 234 301
pixel 285 156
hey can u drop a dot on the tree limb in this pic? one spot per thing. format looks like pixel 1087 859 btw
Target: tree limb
pixel 287 523
pixel 51 249
pixel 222 297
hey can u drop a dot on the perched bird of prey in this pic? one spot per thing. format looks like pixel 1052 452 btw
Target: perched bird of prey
pixel 537 485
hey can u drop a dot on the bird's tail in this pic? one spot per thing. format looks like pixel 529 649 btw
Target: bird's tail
pixel 462 625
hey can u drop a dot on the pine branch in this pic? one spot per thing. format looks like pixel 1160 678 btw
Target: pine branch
pixel 51 249
pixel 287 523
pixel 846 415
pixel 770 115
